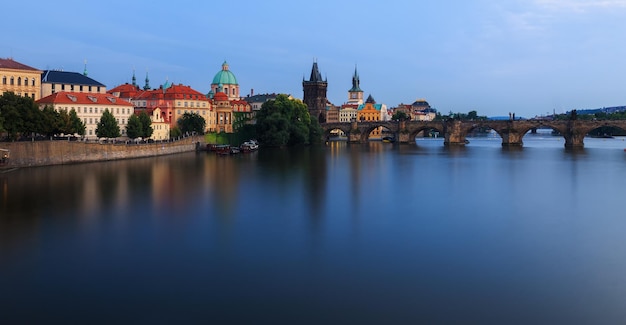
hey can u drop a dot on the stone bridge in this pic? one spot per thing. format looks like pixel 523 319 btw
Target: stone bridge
pixel 455 131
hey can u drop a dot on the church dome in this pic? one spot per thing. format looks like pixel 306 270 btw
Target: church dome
pixel 225 77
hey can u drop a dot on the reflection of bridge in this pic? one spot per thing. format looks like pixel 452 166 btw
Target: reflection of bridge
pixel 455 131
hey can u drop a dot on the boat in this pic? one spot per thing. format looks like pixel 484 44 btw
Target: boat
pixel 389 139
pixel 249 146
pixel 222 149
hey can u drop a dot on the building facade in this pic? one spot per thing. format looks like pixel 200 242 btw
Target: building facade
pixel 53 81
pixel 89 108
pixel 20 79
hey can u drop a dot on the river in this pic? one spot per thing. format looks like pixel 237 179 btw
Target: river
pixel 343 234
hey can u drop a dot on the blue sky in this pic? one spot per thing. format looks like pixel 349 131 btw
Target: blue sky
pixel 531 57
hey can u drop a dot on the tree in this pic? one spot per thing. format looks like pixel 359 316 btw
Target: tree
pixel 52 122
pixel 78 126
pixel 191 122
pixel 400 116
pixel 175 132
pixel 11 106
pixel 134 128
pixel 285 121
pixel 107 127
pixel 146 125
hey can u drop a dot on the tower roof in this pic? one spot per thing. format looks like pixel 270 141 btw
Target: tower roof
pixel 370 99
pixel 316 76
pixel 224 76
pixel 355 82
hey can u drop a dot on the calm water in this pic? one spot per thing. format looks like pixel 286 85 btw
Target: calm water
pixel 345 234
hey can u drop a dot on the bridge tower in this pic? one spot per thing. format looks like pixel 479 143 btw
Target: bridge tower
pixel 315 94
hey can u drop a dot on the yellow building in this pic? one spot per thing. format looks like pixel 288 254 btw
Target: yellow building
pixel 370 112
pixel 160 128
pixel 20 79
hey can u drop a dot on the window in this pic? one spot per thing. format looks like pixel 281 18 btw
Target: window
pixel 62 87
pixel 89 88
pixel 4 80
pixel 32 82
pixel 98 88
pixel 19 81
pixel 71 87
pixel 80 88
pixel 12 81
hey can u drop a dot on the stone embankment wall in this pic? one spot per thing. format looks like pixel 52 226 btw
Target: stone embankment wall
pixel 44 153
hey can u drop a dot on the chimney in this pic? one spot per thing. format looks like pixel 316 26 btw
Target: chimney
pixel 252 92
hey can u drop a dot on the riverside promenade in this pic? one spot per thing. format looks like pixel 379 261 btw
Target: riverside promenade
pixel 60 152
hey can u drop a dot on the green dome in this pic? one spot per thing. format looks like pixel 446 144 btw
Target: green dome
pixel 224 77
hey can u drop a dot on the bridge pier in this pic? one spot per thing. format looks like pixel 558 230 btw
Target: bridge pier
pixel 511 138
pixel 574 140
pixel 453 136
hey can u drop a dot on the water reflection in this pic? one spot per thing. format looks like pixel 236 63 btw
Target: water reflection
pixel 349 233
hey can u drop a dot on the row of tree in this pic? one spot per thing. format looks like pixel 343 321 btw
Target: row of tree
pixel 280 122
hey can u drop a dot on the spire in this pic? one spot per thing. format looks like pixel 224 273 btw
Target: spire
pixel 85 70
pixel 147 85
pixel 355 82
pixel 134 78
pixel 370 99
pixel 316 76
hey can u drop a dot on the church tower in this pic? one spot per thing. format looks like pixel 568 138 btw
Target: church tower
pixel 355 94
pixel 315 94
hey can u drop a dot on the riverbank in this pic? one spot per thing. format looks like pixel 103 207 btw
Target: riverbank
pixel 46 153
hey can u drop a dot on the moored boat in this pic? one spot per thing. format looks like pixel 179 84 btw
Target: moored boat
pixel 250 145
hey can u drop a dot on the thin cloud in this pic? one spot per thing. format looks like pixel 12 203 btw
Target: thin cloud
pixel 580 6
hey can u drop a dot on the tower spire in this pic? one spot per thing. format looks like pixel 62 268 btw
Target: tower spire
pixel 85 70
pixel 147 85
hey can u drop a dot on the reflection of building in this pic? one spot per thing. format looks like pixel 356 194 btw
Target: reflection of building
pixel 19 79
pixel 315 94
pixel 89 108
pixel 53 81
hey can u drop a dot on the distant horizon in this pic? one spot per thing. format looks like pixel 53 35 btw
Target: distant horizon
pixel 529 57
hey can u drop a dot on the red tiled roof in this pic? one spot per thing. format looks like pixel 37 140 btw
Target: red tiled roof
pixel 10 64
pixel 220 96
pixel 83 99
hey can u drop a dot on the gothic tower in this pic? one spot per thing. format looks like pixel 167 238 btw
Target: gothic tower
pixel 315 94
pixel 355 94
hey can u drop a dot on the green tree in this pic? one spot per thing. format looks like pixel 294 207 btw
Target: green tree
pixel 51 121
pixel 107 127
pixel 400 116
pixel 11 106
pixel 175 132
pixel 191 122
pixel 78 126
pixel 146 125
pixel 285 121
pixel 134 128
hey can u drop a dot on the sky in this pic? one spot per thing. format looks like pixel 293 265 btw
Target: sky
pixel 531 57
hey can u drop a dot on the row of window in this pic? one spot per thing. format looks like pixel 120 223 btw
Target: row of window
pixel 32 95
pixel 92 132
pixel 11 81
pixel 100 110
pixel 92 120
pixel 80 88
